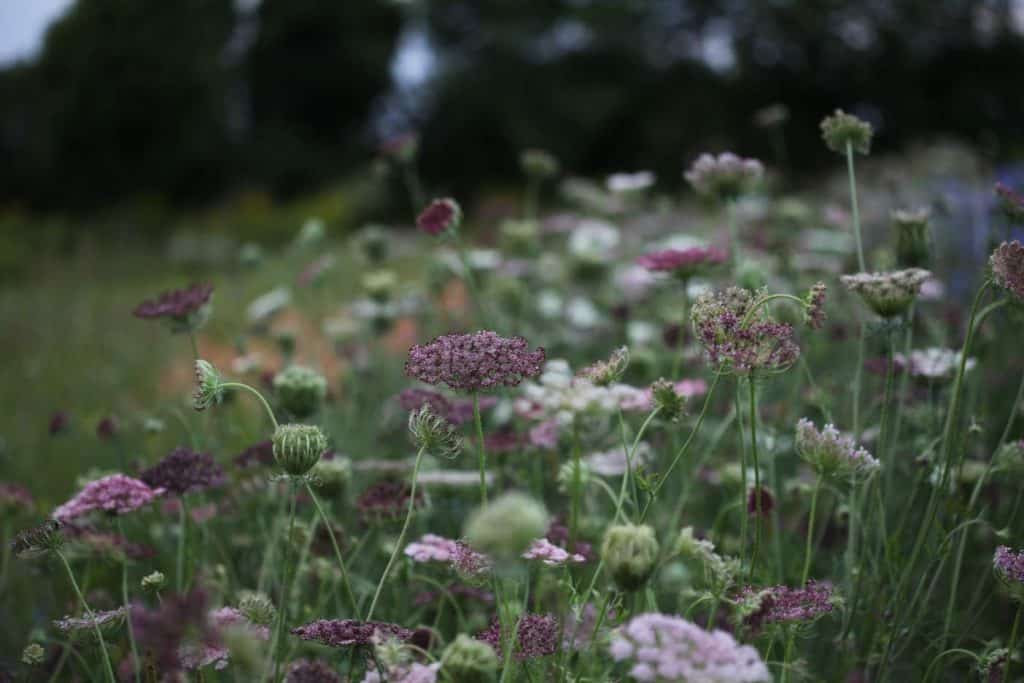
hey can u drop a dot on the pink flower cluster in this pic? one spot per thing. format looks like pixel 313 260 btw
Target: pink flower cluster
pixel 474 362
pixel 1009 564
pixel 550 554
pixel 115 494
pixel 670 649
pixel 739 339
pixel 440 216
pixel 176 304
pixel 1007 264
pixel 683 263
pixel 432 548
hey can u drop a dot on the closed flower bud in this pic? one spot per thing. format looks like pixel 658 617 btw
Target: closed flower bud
pixel 434 434
pixel 537 163
pixel 153 583
pixel 297 447
pixel 671 404
pixel 257 608
pixel 332 476
pixel 606 372
pixel 630 552
pixel 33 654
pixel 468 660
pixel 207 390
pixel 506 527
pixel 842 129
pixel 300 390
pixel 913 238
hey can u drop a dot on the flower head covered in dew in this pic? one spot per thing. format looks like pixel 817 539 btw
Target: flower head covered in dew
pixel 683 263
pixel 1007 264
pixel 887 294
pixel 725 176
pixel 669 649
pixel 116 494
pixel 186 310
pixel 474 362
pixel 738 339
pixel 841 128
pixel 831 453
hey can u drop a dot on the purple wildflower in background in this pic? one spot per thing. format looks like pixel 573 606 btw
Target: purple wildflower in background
pixel 161 632
pixel 116 494
pixel 782 604
pixel 726 176
pixel 349 632
pixel 814 313
pixel 1007 263
pixel 550 554
pixel 683 263
pixel 765 505
pixel 468 562
pixel 105 544
pixel 1009 564
pixel 537 636
pixel 1010 203
pixel 184 471
pixel 106 428
pixel 59 422
pixel 178 304
pixel 474 362
pixel 738 339
pixel 440 216
pixel 311 671
pixel 14 498
pixel 387 499
pixel 670 649
pixel 431 548
pixel 261 453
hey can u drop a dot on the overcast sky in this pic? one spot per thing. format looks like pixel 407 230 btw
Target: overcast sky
pixel 22 23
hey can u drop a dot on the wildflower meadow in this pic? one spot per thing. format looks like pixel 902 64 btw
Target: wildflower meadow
pixel 695 429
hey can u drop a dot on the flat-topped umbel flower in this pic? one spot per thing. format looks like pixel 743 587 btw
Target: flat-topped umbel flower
pixel 474 362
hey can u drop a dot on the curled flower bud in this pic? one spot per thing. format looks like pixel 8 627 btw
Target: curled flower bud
pixel 154 582
pixel 207 391
pixel 887 294
pixel 630 552
pixel 606 372
pixel 297 447
pixel 913 238
pixel 469 660
pixel 506 527
pixel 1007 263
pixel 841 129
pixel 257 608
pixel 434 434
pixel 440 216
pixel 300 390
pixel 814 312
pixel 538 163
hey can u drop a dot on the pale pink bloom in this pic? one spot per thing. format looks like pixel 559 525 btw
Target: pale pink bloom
pixel 550 554
pixel 431 548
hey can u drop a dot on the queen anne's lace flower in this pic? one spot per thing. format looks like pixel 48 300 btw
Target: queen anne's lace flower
pixel 668 649
pixel 474 362
pixel 176 304
pixel 560 396
pixel 740 340
pixel 184 471
pixel 349 632
pixel 933 363
pixel 725 176
pixel 116 494
pixel 832 453
pixel 782 604
pixel 537 636
pixel 1007 263
pixel 887 294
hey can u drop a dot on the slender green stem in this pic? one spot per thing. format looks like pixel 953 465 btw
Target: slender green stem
pixel 1013 643
pixel 91 615
pixel 283 598
pixel 809 548
pixel 853 206
pixel 469 277
pixel 481 449
pixel 128 607
pixel 629 452
pixel 858 374
pixel 337 551
pixel 888 462
pixel 257 394
pixel 734 234
pixel 757 473
pixel 401 537
pixel 195 346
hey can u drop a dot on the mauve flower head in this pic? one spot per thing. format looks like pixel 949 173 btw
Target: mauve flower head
pixel 103 544
pixel 545 435
pixel 683 263
pixel 474 362
pixel 59 422
pixel 431 548
pixel 670 649
pixel 349 632
pixel 1009 565
pixel 537 636
pixel 738 340
pixel 725 177
pixel 441 216
pixel 184 471
pixel 887 294
pixel 311 671
pixel 1010 203
pixel 550 554
pixel 186 309
pixel 1007 263
pixel 831 453
pixel 116 494
pixel 387 499
pixel 782 604
pixel 469 564
pixel 14 498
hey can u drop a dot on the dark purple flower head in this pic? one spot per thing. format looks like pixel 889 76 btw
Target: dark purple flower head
pixel 767 501
pixel 1010 203
pixel 1007 264
pixel 474 362
pixel 261 453
pixel 683 263
pixel 440 216
pixel 106 428
pixel 311 671
pixel 348 632
pixel 537 636
pixel 184 471
pixel 782 604
pixel 387 499
pixel 116 494
pixel 1009 564
pixel 161 632
pixel 59 422
pixel 14 498
pixel 178 304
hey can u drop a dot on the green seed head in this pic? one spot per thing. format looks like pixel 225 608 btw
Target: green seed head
pixel 630 552
pixel 297 447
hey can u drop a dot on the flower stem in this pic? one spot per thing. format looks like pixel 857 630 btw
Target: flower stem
pixel 1013 642
pixel 91 615
pixel 282 607
pixel 757 473
pixel 337 551
pixel 481 449
pixel 853 205
pixel 128 607
pixel 401 536
pixel 734 234
pixel 240 385
pixel 809 551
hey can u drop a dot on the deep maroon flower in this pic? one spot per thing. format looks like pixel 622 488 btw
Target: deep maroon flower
pixel 161 632
pixel 683 263
pixel 1009 564
pixel 387 499
pixel 311 671
pixel 14 498
pixel 440 216
pixel 537 636
pixel 116 494
pixel 261 453
pixel 1007 263
pixel 177 304
pixel 106 428
pixel 767 501
pixel 1010 203
pixel 184 471
pixel 474 362
pixel 348 632
pixel 59 422
pixel 782 604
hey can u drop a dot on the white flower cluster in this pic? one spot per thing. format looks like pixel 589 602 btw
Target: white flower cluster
pixel 560 395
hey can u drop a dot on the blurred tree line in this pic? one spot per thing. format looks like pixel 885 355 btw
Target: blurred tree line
pixel 182 101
